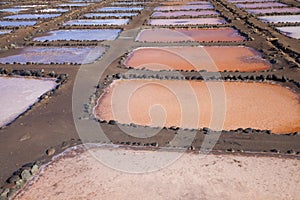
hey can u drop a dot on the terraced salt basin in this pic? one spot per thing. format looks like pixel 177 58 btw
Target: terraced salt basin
pixel 119 9
pixel 199 35
pixel 186 21
pixel 16 23
pixel 74 4
pixel 291 31
pixel 197 104
pixel 2 32
pixel 13 10
pixel 97 22
pixel 261 5
pixel 210 58
pixel 18 94
pixel 79 175
pixel 184 13
pixel 32 16
pixel 80 34
pixel 281 18
pixel 183 7
pixel 275 10
pixel 92 15
pixel 245 1
pixel 59 55
pixel 50 10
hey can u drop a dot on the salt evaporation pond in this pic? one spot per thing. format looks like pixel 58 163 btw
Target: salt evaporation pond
pixel 83 34
pixel 183 7
pixel 53 10
pixel 17 23
pixel 274 10
pixel 189 104
pixel 74 4
pixel 32 16
pixel 60 55
pixel 245 1
pixel 97 22
pixel 210 58
pixel 2 32
pixel 261 5
pixel 184 13
pixel 291 31
pixel 199 35
pixel 89 174
pixel 120 9
pixel 186 21
pixel 18 94
pixel 281 18
pixel 13 10
pixel 92 15
pixel 127 3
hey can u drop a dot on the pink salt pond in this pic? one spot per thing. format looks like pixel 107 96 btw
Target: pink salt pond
pixel 261 5
pixel 184 13
pixel 18 94
pixel 189 104
pixel 184 7
pixel 198 35
pixel 186 21
pixel 275 10
pixel 210 58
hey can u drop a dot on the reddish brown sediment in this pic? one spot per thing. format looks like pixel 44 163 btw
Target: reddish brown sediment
pixel 198 35
pixel 189 104
pixel 191 176
pixel 210 58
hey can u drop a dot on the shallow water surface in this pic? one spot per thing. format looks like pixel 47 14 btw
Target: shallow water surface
pixel 53 10
pixel 2 32
pixel 92 15
pixel 183 7
pixel 18 94
pixel 261 5
pixel 13 10
pixel 97 22
pixel 32 16
pixel 189 104
pixel 74 4
pixel 186 21
pixel 122 9
pixel 281 18
pixel 210 58
pixel 17 23
pixel 184 13
pixel 180 35
pixel 60 55
pixel 80 34
pixel 274 10
pixel 291 31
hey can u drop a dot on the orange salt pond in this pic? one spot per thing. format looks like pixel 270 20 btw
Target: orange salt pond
pixel 198 35
pixel 189 104
pixel 210 58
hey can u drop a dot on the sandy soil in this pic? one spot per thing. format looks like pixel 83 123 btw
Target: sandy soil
pixel 194 104
pixel 189 177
